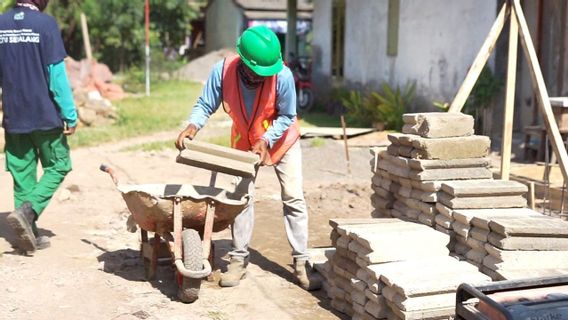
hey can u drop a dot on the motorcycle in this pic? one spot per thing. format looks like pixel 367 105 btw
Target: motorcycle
pixel 301 69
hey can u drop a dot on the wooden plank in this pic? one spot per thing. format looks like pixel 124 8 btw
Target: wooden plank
pixel 393 23
pixel 509 100
pixel 540 89
pixel 480 60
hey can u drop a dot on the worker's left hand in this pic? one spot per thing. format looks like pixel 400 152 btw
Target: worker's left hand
pixel 261 148
pixel 69 130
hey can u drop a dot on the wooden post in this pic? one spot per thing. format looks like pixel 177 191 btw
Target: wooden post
pixel 509 100
pixel 346 146
pixel 540 90
pixel 531 196
pixel 291 34
pixel 86 39
pixel 480 60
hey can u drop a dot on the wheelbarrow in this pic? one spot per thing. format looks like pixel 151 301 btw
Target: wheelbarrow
pixel 192 213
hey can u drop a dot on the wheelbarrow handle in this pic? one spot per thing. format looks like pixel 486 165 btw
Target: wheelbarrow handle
pixel 110 171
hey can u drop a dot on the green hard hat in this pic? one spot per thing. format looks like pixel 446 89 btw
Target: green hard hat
pixel 259 49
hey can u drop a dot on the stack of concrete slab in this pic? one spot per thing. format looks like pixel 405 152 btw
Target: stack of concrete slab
pixel 535 245
pixel 423 288
pixel 320 261
pixel 360 244
pixel 433 147
pixel 474 195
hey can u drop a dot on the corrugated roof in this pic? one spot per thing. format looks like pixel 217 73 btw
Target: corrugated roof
pixel 303 5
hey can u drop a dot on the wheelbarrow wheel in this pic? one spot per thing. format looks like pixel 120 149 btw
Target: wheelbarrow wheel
pixel 192 260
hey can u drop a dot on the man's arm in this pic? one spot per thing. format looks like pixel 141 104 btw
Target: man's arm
pixel 286 104
pixel 205 106
pixel 62 94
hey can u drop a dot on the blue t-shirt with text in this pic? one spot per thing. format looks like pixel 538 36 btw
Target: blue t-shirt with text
pixel 30 41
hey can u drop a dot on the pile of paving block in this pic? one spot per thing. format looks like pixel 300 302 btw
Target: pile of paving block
pixel 433 148
pixel 461 201
pixel 390 268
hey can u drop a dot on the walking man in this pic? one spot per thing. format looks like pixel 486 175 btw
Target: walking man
pixel 39 112
pixel 257 91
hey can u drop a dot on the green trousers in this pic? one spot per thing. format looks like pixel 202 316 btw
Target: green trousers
pixel 22 154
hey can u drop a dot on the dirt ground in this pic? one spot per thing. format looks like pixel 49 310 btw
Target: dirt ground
pixel 93 269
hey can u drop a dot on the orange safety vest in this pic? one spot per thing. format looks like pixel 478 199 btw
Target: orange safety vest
pixel 245 131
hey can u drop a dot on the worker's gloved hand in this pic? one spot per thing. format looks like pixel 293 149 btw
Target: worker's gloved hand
pixel 188 132
pixel 261 148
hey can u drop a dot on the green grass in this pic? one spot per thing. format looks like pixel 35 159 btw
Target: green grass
pixel 319 120
pixel 169 104
pixel 317 142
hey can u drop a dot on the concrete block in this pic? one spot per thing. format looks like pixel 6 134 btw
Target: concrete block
pixel 444 221
pixel 476 256
pixel 476 244
pixel 429 197
pixel 449 232
pixel 442 279
pixel 336 222
pixel 398 150
pixel 530 273
pixel 479 234
pixel 428 266
pixel 419 303
pixel 377 309
pixel 382 203
pixel 373 296
pixel 220 159
pixel 450 174
pixel 426 219
pixel 528 243
pixel 461 249
pixel 394 169
pixel 405 182
pixel 425 164
pixel 481 217
pixel 530 226
pixel 358 285
pixel 438 124
pixel 443 313
pixel 461 229
pixel 448 148
pixel 481 202
pixel 381 213
pixel 470 188
pixel 515 260
pixel 443 210
pixel 405 192
pixel 359 298
pixel 428 186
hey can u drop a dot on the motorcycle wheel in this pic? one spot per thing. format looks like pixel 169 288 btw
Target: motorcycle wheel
pixel 305 100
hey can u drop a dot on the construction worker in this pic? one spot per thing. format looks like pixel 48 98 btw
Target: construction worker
pixel 257 91
pixel 39 112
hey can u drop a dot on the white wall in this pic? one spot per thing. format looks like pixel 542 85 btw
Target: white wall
pixel 438 41
pixel 321 44
pixel 224 23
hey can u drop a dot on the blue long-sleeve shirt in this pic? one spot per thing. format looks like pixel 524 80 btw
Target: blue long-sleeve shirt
pixel 210 100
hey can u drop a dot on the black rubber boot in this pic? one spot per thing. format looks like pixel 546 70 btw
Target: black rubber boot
pixel 21 221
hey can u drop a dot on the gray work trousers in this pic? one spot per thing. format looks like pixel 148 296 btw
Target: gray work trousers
pixel 289 172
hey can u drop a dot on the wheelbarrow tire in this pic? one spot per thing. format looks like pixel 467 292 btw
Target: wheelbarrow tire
pixel 192 260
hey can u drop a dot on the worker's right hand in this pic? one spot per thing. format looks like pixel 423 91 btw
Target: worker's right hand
pixel 188 132
pixel 68 130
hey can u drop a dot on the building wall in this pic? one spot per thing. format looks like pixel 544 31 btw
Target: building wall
pixel 437 43
pixel 321 45
pixel 224 23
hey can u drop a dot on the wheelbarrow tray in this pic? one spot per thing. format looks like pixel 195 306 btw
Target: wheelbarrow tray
pixel 152 205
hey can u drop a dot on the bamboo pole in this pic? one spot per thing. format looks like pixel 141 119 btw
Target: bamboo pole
pixel 509 100
pixel 480 60
pixel 86 39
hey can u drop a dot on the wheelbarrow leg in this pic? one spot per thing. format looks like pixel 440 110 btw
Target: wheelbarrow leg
pixel 208 247
pixel 149 254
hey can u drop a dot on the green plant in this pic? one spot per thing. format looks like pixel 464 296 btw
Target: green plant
pixel 317 142
pixel 391 105
pixel 387 106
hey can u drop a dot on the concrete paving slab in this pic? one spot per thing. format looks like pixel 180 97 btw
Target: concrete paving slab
pixel 527 243
pixel 424 164
pixel 434 301
pixel 335 222
pixel 447 148
pixel 426 219
pixel 438 124
pixel 461 229
pixel 216 163
pixel 443 210
pixel 379 202
pixel 430 265
pixel 479 234
pixel 444 221
pixel 530 226
pixel 428 186
pixel 509 259
pixel 484 188
pixel 481 202
pixel 377 309
pixel 449 174
pixel 482 217
pixel 475 256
